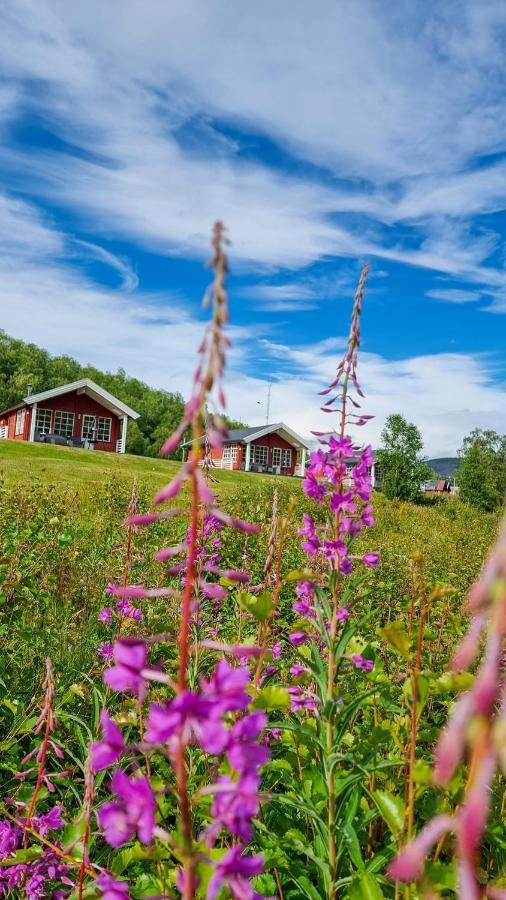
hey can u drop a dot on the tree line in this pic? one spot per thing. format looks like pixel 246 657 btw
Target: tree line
pixel 160 411
pixel 480 476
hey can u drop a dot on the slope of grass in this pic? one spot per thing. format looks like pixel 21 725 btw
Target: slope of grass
pixel 71 467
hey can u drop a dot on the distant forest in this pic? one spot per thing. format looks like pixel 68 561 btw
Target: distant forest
pixel 160 411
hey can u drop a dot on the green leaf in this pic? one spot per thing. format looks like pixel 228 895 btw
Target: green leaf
pixel 272 697
pixel 365 888
pixel 396 637
pixel 392 810
pixel 259 605
pixel 301 575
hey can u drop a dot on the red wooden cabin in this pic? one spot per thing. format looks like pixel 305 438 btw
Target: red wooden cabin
pixel 274 449
pixel 81 414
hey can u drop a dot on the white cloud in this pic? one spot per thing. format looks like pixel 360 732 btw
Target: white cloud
pixel 454 295
pixel 120 86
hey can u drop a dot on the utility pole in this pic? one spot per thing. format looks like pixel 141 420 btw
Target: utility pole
pixel 268 403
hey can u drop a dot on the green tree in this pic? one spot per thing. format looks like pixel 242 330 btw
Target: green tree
pixel 482 471
pixel 402 466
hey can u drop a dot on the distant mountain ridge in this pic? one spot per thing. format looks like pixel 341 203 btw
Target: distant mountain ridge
pixel 445 467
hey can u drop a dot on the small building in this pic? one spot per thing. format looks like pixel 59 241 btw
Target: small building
pixel 81 414
pixel 374 471
pixel 274 449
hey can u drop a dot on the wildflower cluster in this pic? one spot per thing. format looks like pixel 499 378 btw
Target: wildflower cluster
pixel 45 874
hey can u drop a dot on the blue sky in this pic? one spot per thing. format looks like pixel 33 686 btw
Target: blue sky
pixel 323 135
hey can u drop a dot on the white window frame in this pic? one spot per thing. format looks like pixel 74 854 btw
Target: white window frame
pixel 102 422
pixel 61 428
pixel 287 458
pixel 276 456
pixel 261 458
pixel 20 422
pixel 46 414
pixel 87 433
pixel 230 453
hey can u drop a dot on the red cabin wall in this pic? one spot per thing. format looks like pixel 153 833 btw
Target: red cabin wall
pixel 275 440
pixel 216 455
pixel 10 420
pixel 80 405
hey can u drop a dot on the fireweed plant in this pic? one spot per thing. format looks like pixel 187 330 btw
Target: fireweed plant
pixel 204 723
pixel 477 726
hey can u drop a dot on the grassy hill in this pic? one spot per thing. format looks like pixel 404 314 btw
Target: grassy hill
pixel 71 467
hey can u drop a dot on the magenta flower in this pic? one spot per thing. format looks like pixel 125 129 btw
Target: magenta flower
pixel 107 751
pixel 314 488
pixel 214 591
pixel 234 805
pixel 244 753
pixel 130 657
pixel 106 614
pixel 297 638
pixel 226 687
pixel 112 889
pixel 371 559
pixel 105 651
pixel 298 670
pixel 132 813
pixel 343 614
pixel 50 821
pixel 277 650
pixel 234 870
pixel 342 503
pixel 187 717
pixel 10 838
pixel 360 662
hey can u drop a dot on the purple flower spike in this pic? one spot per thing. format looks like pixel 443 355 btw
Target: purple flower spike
pixel 133 812
pixel 107 751
pixel 112 889
pixel 130 656
pixel 105 651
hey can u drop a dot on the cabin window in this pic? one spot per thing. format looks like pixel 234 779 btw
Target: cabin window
pixel 20 421
pixel 104 430
pixel 276 456
pixel 287 459
pixel 230 452
pixel 43 421
pixel 261 455
pixel 89 426
pixel 63 423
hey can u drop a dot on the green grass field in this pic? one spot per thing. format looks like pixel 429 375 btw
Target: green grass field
pixel 71 467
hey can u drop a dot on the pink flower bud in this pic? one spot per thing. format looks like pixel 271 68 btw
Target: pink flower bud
pixel 450 747
pixel 408 865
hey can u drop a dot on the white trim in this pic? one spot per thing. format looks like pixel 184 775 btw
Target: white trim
pixel 124 423
pixel 87 386
pixel 19 422
pixel 269 429
pixel 247 461
pixel 33 416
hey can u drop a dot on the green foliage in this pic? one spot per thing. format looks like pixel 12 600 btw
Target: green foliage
pixel 482 471
pixel 402 467
pixel 60 545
